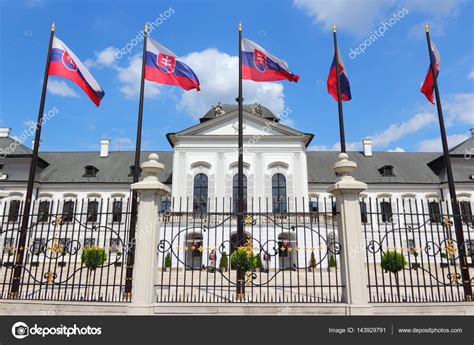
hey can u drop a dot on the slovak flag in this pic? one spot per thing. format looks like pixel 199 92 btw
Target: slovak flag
pixel 428 84
pixel 343 79
pixel 164 67
pixel 259 65
pixel 64 63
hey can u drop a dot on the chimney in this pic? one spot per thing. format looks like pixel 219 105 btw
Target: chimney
pixel 472 132
pixel 104 148
pixel 367 144
pixel 5 132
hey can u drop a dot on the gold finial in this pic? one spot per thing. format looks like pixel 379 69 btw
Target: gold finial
pixel 240 26
pixel 52 27
pixel 427 28
pixel 334 28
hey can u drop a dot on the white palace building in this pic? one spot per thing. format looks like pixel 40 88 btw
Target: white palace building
pixel 202 165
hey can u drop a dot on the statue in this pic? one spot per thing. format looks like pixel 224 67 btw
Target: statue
pixel 218 110
pixel 256 109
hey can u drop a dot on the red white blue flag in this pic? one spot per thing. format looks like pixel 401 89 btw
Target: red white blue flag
pixel 259 65
pixel 343 79
pixel 164 67
pixel 64 63
pixel 428 84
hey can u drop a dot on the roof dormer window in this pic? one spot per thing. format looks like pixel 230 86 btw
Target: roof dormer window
pixel 132 171
pixel 90 171
pixel 386 170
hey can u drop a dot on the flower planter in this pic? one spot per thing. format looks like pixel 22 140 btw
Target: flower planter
pixel 62 263
pixel 8 264
pixel 415 265
pixel 118 264
pixel 34 263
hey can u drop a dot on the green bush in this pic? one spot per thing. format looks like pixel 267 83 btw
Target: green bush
pixel 224 262
pixel 244 259
pixel 93 257
pixel 392 261
pixel 168 261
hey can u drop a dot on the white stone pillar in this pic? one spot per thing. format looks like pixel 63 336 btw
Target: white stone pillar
pixel 150 191
pixel 353 270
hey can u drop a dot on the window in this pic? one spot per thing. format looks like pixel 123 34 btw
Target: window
pixel 386 211
pixel 92 211
pixel 68 211
pixel 38 246
pixel 90 171
pixel 114 244
pixel 235 192
pixel 386 170
pixel 363 212
pixel 279 193
pixel 200 193
pixel 434 211
pixel 466 212
pixel 64 244
pixel 165 206
pixel 14 210
pixel 43 211
pixel 8 245
pixel 333 207
pixel 117 211
pixel 132 171
pixel 89 242
pixel 314 205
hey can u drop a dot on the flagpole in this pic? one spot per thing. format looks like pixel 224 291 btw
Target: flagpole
pixel 240 192
pixel 15 287
pixel 339 101
pixel 136 176
pixel 465 276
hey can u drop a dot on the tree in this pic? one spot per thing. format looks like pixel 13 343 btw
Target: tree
pixel 93 258
pixel 393 262
pixel 224 262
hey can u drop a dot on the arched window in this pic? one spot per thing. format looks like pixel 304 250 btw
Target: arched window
pixel 235 192
pixel 43 211
pixel 435 212
pixel 386 211
pixel 466 212
pixel 279 193
pixel 200 193
pixel 14 211
pixel 363 211
pixel 92 211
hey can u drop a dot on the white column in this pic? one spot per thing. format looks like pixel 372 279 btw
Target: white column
pixel 150 192
pixel 353 270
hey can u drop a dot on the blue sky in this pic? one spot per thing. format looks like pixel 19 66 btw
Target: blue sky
pixel 386 106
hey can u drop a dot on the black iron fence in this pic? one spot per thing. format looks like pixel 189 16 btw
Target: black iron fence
pixel 412 252
pixel 75 249
pixel 287 256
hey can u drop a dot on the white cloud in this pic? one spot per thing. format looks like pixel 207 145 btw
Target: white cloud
pixel 459 108
pixel 218 75
pixel 396 131
pixel 122 144
pixel 434 145
pixel 105 58
pixel 33 3
pixel 354 16
pixel 471 75
pixel 130 77
pixel 397 149
pixel 61 88
pixel 360 17
pixel 389 135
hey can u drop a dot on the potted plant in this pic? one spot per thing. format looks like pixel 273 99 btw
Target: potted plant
pixel 393 262
pixel 92 258
pixel 62 263
pixel 167 262
pixel 224 262
pixel 118 262
pixel 332 261
pixel 243 258
pixel 312 262
pixel 415 265
pixel 35 260
pixel 258 265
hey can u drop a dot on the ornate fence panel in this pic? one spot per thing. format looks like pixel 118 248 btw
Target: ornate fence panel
pixel 75 249
pixel 289 256
pixel 412 252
